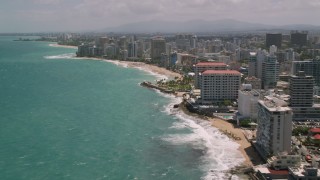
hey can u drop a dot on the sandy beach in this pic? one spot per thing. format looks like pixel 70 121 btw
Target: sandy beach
pixel 153 68
pixel 248 152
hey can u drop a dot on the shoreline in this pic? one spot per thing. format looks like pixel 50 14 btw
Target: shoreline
pixel 245 147
pixel 62 46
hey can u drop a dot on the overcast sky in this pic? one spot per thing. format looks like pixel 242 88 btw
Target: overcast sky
pixel 82 15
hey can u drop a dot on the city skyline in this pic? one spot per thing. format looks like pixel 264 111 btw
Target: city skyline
pixel 88 15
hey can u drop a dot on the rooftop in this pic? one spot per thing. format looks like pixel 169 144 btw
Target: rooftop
pixel 317 136
pixel 211 64
pixel 315 130
pixel 233 72
pixel 274 104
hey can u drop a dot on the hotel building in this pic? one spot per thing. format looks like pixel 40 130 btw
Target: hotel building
pixel 219 85
pixel 203 66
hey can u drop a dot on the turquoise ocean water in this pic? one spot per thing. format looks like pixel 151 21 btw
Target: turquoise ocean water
pixel 68 118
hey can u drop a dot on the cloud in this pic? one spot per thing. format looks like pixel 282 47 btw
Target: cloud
pixel 47 2
pixel 75 14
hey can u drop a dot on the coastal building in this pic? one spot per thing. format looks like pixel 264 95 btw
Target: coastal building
pixel 270 72
pixel 255 82
pixel 248 102
pixel 110 51
pixel 284 160
pixel 185 60
pixel 123 42
pixel 274 126
pixel 132 49
pixel 273 39
pixel 219 85
pixel 158 47
pixel 83 50
pixel 203 66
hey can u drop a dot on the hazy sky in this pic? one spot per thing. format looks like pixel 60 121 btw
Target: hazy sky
pixel 79 15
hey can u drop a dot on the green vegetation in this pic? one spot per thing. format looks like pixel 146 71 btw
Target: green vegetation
pixel 300 131
pixel 304 55
pixel 245 123
pixel 178 84
pixel 227 103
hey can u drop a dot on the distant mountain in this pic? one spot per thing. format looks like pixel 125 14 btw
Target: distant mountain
pixel 202 26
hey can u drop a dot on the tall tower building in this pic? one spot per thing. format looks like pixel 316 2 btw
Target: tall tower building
pixel 123 43
pixel 273 39
pixel 132 49
pixel 158 47
pixel 253 69
pixel 261 56
pixel 270 72
pixel 274 126
pixel 301 90
pixel 194 40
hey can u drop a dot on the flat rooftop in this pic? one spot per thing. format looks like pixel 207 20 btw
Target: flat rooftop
pixel 233 72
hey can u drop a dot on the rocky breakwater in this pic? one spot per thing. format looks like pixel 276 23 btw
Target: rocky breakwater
pixel 161 89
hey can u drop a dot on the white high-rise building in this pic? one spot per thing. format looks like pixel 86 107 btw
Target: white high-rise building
pixel 220 85
pixel 248 102
pixel 274 126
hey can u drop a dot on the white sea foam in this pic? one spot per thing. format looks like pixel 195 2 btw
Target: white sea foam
pixel 220 153
pixel 62 56
pixel 118 63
